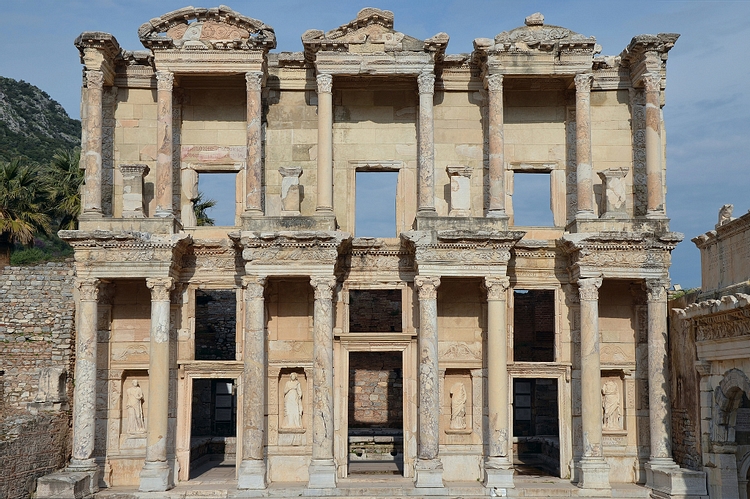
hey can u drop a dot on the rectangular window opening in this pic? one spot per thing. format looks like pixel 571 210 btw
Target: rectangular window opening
pixel 215 324
pixel 375 311
pixel 375 206
pixel 216 204
pixel 532 205
pixel 534 325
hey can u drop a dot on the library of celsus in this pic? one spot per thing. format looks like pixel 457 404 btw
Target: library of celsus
pixel 456 348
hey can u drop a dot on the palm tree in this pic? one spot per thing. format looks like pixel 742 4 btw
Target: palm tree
pixel 199 208
pixel 23 212
pixel 65 187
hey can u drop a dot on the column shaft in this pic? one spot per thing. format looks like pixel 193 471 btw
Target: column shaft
pixel 496 146
pixel 584 173
pixel 429 469
pixel 659 411
pixel 254 167
pixel 654 184
pixel 163 194
pixel 426 145
pixel 325 143
pixel 156 474
pixel 322 466
pixel 92 154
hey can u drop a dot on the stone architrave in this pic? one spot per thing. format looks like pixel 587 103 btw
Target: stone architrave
pixel 252 472
pixel 290 190
pixel 593 469
pixel 429 468
pixel 460 201
pixel 156 475
pixel 322 469
pixel 163 189
pixel 426 147
pixel 498 469
pixel 325 144
pixel 132 190
pixel 92 153
pixel 254 164
pixel 654 179
pixel 615 192
pixel 584 168
pixel 496 146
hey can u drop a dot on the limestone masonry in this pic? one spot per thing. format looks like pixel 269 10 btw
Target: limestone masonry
pixel 453 352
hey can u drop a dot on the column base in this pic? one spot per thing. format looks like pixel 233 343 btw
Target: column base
pixel 322 474
pixel 68 484
pixel 655 215
pixel 667 480
pixel 498 473
pixel 586 215
pixel 497 214
pixel 593 477
pixel 429 473
pixel 427 212
pixel 156 477
pixel 164 214
pixel 252 474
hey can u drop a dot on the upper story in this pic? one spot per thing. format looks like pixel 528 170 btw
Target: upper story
pixel 295 131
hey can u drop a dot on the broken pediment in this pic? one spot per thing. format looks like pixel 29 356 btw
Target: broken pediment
pixel 218 28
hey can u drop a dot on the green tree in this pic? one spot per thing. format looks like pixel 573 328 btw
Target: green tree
pixel 199 208
pixel 23 205
pixel 65 187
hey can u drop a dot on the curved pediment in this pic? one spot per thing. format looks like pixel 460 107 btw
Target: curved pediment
pixel 535 36
pixel 196 28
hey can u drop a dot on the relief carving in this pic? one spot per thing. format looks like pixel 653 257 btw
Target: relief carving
pixel 612 406
pixel 458 406
pixel 293 407
pixel 134 406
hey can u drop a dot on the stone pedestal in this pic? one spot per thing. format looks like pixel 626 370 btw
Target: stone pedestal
pixel 132 190
pixel 325 144
pixel 426 147
pixel 163 187
pixel 671 481
pixel 460 200
pixel 290 191
pixel 615 192
pixel 254 164
pixel 584 169
pixel 67 485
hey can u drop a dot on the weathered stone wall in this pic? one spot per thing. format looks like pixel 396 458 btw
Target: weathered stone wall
pixel 215 324
pixel 375 310
pixel 534 326
pixel 376 390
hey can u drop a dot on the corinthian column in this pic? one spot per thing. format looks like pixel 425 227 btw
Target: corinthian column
pixel 84 396
pixel 429 468
pixel 252 474
pixel 426 144
pixel 254 166
pixel 325 144
pixel 322 467
pixel 654 184
pixel 163 195
pixel 92 154
pixel 584 173
pixel 497 466
pixel 594 470
pixel 496 146
pixel 156 475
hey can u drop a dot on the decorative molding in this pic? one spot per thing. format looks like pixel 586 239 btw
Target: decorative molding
pixel 426 83
pixel 583 83
pixel 88 289
pixel 254 81
pixel 427 286
pixel 496 287
pixel 160 288
pixel 494 83
pixel 94 80
pixel 325 83
pixel 164 80
pixel 323 286
pixel 588 288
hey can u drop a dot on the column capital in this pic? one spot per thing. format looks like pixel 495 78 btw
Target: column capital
pixel 427 286
pixel 254 285
pixel 88 289
pixel 164 79
pixel 496 287
pixel 494 83
pixel 656 289
pixel 160 287
pixel 323 286
pixel 652 82
pixel 95 79
pixel 325 83
pixel 426 83
pixel 589 288
pixel 583 82
pixel 254 81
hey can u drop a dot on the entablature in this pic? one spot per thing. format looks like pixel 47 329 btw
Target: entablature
pixel 648 54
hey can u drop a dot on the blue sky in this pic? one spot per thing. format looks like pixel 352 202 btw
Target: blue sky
pixel 707 103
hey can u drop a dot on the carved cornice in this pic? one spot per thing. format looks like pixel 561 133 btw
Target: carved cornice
pixel 284 248
pixel 104 247
pixel 719 319
pixel 647 54
pixel 427 286
pixel 728 229
pixel 462 247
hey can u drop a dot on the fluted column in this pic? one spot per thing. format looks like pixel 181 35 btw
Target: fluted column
pixel 584 169
pixel 429 468
pixel 497 466
pixel 322 467
pixel 84 396
pixel 254 166
pixel 426 147
pixel 252 473
pixel 654 184
pixel 325 144
pixel 496 146
pixel 163 194
pixel 594 470
pixel 92 154
pixel 156 475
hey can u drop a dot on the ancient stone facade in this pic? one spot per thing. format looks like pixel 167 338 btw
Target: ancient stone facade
pixel 294 129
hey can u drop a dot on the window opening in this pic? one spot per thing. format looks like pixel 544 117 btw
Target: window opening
pixel 375 206
pixel 375 311
pixel 220 188
pixel 534 325
pixel 532 205
pixel 215 324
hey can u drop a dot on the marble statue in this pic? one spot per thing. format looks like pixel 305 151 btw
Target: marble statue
pixel 293 402
pixel 134 406
pixel 458 407
pixel 611 406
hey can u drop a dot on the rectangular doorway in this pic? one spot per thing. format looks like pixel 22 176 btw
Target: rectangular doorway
pixel 536 426
pixel 213 430
pixel 375 413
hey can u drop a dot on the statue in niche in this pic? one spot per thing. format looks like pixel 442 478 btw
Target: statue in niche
pixel 458 406
pixel 293 402
pixel 611 406
pixel 134 405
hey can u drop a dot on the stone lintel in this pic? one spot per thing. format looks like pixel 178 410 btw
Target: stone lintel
pixel 209 61
pixel 289 223
pixel 493 224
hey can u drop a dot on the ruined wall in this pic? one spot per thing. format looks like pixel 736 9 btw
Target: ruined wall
pixel 215 324
pixel 376 390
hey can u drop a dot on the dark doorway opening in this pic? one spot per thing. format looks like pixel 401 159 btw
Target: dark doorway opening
pixel 536 426
pixel 215 324
pixel 376 415
pixel 213 429
pixel 534 325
